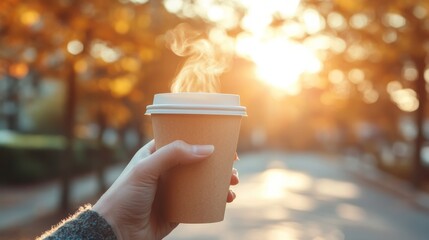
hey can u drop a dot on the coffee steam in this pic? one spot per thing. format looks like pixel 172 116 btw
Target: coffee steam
pixel 204 63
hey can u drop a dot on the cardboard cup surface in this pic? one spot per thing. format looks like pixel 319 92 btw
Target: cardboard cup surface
pixel 196 193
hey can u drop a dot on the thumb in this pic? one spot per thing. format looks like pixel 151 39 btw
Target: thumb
pixel 169 156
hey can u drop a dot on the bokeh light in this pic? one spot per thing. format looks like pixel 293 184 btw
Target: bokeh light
pixel 100 49
pixel 18 70
pixel 30 17
pixel 339 79
pixel 75 47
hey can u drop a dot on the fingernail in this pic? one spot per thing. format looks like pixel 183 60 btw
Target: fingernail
pixel 202 149
pixel 233 194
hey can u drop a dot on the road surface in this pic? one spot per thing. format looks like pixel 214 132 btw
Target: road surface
pixel 284 196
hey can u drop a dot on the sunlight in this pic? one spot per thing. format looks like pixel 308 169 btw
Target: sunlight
pixel 283 231
pixel 274 184
pixel 279 62
pixel 405 99
pixel 351 212
pixel 286 8
pixel 280 232
pixel 275 212
pixel 336 21
pixel 299 202
pixel 337 189
pixel 282 63
pixel 173 6
pixel 259 14
pixel 313 22
pixel 278 182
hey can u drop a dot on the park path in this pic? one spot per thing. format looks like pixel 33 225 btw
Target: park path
pixel 285 196
pixel 281 196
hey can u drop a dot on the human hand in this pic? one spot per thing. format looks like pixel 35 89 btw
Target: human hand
pixel 128 205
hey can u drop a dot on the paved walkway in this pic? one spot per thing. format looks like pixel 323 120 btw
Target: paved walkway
pixel 20 205
pixel 281 196
pixel 307 196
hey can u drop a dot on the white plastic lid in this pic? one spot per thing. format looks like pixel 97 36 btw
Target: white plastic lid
pixel 196 103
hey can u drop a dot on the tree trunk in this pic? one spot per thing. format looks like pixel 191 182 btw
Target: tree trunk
pixel 69 122
pixel 417 172
pixel 12 99
pixel 102 155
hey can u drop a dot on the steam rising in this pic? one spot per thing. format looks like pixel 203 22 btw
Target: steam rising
pixel 203 66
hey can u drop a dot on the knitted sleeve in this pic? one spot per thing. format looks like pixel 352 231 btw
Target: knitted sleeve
pixel 85 224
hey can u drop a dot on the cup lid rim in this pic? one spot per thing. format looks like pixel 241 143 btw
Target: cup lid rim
pixel 196 103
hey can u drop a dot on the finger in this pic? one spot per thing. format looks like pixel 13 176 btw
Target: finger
pixel 236 157
pixel 143 152
pixel 234 177
pixel 231 196
pixel 171 155
pixel 151 146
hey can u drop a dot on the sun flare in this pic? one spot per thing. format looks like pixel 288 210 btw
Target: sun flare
pixel 279 62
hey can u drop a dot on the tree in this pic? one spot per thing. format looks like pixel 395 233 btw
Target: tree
pixel 373 52
pixel 387 41
pixel 103 52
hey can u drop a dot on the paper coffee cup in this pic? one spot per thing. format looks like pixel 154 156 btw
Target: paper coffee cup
pixel 196 193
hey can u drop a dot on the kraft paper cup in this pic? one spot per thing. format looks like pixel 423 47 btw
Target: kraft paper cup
pixel 196 193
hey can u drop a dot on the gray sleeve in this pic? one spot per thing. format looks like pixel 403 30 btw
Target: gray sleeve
pixel 85 225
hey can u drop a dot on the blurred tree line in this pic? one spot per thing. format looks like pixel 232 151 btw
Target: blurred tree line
pixel 384 65
pixel 369 99
pixel 87 69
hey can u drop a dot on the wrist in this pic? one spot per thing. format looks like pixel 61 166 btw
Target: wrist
pixel 106 212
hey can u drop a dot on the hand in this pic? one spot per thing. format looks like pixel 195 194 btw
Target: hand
pixel 128 204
